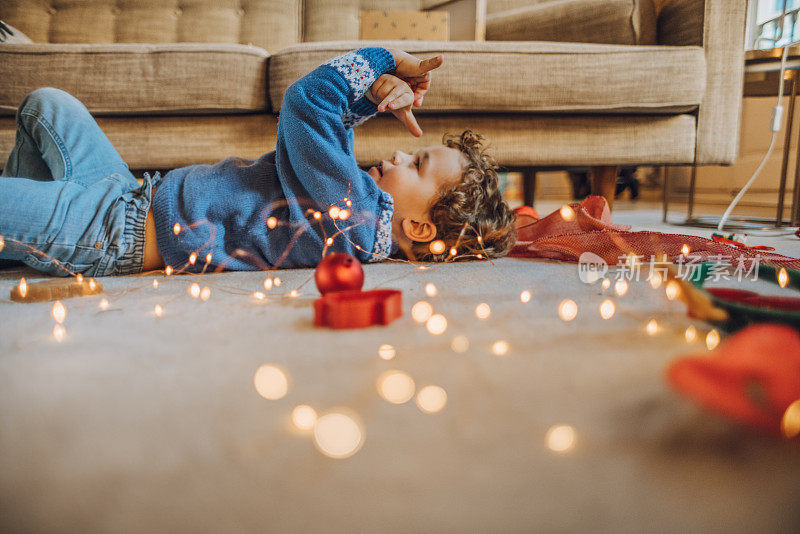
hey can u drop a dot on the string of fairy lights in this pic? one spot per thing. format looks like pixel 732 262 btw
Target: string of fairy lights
pixel 340 432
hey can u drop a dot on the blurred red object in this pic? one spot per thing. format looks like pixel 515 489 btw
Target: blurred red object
pixel 752 377
pixel 339 271
pixel 358 309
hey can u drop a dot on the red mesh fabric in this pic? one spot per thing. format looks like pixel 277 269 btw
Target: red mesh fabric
pixel 591 230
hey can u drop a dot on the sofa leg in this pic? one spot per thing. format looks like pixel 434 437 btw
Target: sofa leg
pixel 528 185
pixel 604 183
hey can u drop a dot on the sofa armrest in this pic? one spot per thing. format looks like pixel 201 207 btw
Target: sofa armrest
pixel 718 26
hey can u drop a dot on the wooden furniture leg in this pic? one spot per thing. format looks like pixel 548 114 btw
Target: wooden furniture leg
pixel 604 183
pixel 528 185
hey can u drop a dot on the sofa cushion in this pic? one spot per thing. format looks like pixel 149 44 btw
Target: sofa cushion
pixel 139 78
pixel 577 21
pixel 532 76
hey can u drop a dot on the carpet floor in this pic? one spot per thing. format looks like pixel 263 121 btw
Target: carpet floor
pixel 143 423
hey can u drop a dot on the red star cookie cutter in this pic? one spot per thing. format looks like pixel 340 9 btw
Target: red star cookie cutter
pixel 358 309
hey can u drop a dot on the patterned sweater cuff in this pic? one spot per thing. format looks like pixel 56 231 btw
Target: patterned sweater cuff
pixel 359 112
pixel 360 68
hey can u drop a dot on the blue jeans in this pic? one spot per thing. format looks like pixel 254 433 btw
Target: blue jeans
pixel 68 203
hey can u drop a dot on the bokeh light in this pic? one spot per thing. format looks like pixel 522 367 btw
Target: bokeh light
pixel 567 310
pixel 436 324
pixel 338 435
pixel 483 311
pixel 560 438
pixel 59 332
pixel 395 386
pixel 421 311
pixel 194 290
pixel 500 347
pixel 459 344
pixel 672 290
pixel 712 339
pixel 621 287
pixel 607 309
pixel 430 290
pixel 437 247
pixel 525 296
pixel 271 382
pixel 431 399
pixel 652 327
pixel 386 352
pixel 783 277
pixel 59 311
pixel 790 422
pixel 567 213
pixel 304 417
pixel 690 334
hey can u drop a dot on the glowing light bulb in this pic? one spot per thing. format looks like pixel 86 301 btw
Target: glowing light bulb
pixel 783 277
pixel 672 290
pixel 268 283
pixel 567 213
pixel 205 293
pixel 621 287
pixel 606 283
pixel 567 310
pixel 59 312
pixel 333 212
pixel 92 284
pixel 607 309
pixel 272 222
pixel 655 280
pixel 500 348
pixel 277 281
pixel 338 435
pixel 453 251
pixel 344 214
pixel 193 258
pixel 480 256
pixel 2 242
pixel 459 344
pixel 103 304
pixel 304 417
pixel 194 290
pixel 59 332
pixel 430 290
pixel 480 239
pixel 329 241
pixel 317 215
pixel 348 202
pixel 483 311
pixel 525 296
pixel 176 229
pixel 790 422
pixel 685 249
pixel 712 339
pixel 293 293
pixel 560 438
pixel 395 386
pixel 386 352
pixel 158 311
pixel 23 287
pixel 208 257
pixel 155 283
pixel 271 382
pixel 421 311
pixel 431 399
pixel 436 324
pixel 79 278
pixel 258 295
pixel 690 334
pixel 652 327
pixel 168 270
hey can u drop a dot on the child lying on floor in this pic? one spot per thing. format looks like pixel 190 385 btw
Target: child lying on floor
pixel 69 204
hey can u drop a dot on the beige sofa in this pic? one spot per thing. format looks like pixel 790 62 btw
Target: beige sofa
pixel 175 82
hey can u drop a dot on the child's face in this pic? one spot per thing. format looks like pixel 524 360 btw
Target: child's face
pixel 415 180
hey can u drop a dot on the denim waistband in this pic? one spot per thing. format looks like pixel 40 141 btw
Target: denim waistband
pixel 133 236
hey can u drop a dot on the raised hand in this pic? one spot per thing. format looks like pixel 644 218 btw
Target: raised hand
pixel 392 93
pixel 415 72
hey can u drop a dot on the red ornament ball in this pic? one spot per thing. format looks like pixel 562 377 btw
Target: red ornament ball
pixel 339 272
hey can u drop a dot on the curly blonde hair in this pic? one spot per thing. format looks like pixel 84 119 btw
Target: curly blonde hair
pixel 471 218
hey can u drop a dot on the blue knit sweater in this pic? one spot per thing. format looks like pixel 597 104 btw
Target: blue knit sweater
pixel 227 208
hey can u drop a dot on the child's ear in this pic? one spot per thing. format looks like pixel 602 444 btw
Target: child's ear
pixel 419 231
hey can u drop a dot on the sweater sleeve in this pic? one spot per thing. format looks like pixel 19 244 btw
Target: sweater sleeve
pixel 315 160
